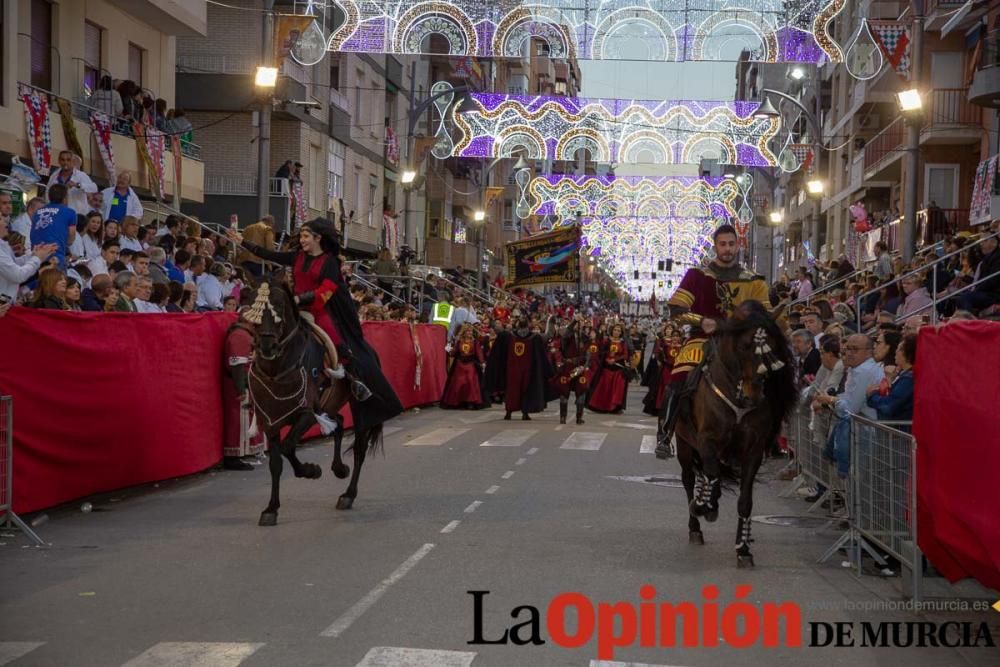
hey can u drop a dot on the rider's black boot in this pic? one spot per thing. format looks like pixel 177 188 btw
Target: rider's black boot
pixel 667 421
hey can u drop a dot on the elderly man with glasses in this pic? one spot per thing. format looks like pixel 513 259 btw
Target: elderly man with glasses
pixel 862 372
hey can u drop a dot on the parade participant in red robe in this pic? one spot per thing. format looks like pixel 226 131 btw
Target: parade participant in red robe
pixel 464 387
pixel 611 382
pixel 236 353
pixel 668 344
pixel 572 370
pixel 519 369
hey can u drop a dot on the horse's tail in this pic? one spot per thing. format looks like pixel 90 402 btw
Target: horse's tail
pixel 370 439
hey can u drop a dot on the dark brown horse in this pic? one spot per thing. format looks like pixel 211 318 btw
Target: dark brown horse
pixel 745 391
pixel 288 387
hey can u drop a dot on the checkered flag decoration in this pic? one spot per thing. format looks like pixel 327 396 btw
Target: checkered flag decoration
pixel 893 37
pixel 100 123
pixel 36 120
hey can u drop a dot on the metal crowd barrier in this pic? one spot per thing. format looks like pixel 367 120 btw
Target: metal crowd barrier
pixel 807 435
pixel 884 491
pixel 10 519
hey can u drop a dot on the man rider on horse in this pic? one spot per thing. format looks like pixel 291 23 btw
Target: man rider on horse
pixel 706 295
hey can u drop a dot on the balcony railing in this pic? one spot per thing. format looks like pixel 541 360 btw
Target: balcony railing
pixel 934 224
pixel 884 144
pixel 989 56
pixel 225 184
pixel 951 106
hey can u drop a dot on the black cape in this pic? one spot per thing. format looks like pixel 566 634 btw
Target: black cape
pixel 534 399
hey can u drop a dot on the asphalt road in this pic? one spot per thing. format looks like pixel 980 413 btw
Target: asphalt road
pixel 180 574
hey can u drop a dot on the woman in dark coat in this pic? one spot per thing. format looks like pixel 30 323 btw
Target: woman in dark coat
pixel 321 290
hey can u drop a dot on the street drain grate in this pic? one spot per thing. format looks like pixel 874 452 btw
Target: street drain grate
pixel 672 481
pixel 791 520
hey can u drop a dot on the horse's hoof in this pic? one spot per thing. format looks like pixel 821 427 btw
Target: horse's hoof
pixel 711 515
pixel 268 519
pixel 744 561
pixel 340 470
pixel 696 537
pixel 311 471
pixel 345 503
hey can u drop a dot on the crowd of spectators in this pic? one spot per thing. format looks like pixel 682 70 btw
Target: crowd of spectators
pixel 127 102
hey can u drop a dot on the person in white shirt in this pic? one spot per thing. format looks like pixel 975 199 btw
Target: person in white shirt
pixel 142 302
pixel 463 314
pixel 129 238
pixel 78 184
pixel 210 295
pixel 108 256
pixel 22 223
pixel 121 200
pixel 15 270
pixel 92 237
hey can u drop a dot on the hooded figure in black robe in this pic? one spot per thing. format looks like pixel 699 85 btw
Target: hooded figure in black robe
pixel 518 367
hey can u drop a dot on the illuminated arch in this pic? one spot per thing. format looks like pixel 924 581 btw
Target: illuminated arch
pixel 585 138
pixel 645 140
pixel 742 18
pixel 520 137
pixel 653 206
pixel 694 208
pixel 623 18
pixel 433 18
pixel 709 146
pixel 352 19
pixel 611 205
pixel 533 21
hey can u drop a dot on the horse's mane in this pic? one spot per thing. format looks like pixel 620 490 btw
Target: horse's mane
pixel 779 387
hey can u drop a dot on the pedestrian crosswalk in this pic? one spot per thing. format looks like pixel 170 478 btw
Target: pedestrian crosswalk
pixel 509 438
pixel 233 654
pixel 436 437
pixel 583 440
pixel 571 440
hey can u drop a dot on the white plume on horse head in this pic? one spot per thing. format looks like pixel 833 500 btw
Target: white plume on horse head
pixel 256 313
pixel 763 351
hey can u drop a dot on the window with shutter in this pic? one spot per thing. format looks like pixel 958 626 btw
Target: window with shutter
pixel 92 35
pixel 135 56
pixel 41 44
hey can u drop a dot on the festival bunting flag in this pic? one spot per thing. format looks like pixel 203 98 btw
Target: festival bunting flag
pixel 100 123
pixel 39 130
pixel 142 146
pixel 893 37
pixel 69 127
pixel 299 202
pixel 157 154
pixel 391 232
pixel 391 146
pixel 288 29
pixel 493 193
pixel 175 148
pixel 982 193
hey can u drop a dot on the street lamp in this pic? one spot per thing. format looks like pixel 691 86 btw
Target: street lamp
pixel 815 187
pixel 266 77
pixel 797 73
pixel 479 216
pixel 766 110
pixel 910 101
pixel 408 176
pixel 776 217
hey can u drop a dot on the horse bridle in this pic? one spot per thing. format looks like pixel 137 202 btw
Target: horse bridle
pixel 768 362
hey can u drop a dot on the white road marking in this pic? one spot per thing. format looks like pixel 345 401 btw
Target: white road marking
pixel 472 507
pixel 436 438
pixel 194 654
pixel 648 445
pixel 509 438
pixel 341 625
pixel 520 462
pixel 507 475
pixel 616 424
pixel 558 428
pixel 532 451
pixel 480 418
pixel 451 526
pixel 392 656
pixel 582 440
pixel 615 663
pixel 11 651
pixel 493 489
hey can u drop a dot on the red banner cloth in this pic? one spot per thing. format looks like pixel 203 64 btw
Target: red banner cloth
pixel 958 449
pixel 103 401
pixel 108 400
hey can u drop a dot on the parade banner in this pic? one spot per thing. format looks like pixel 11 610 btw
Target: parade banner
pixel 543 259
pixel 299 208
pixel 493 193
pixel 156 147
pixel 954 423
pixel 391 147
pixel 68 126
pixel 980 209
pixel 893 37
pixel 100 123
pixel 288 29
pixel 142 147
pixel 39 129
pixel 175 148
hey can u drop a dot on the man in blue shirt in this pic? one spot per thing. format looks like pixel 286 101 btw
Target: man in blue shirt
pixel 55 223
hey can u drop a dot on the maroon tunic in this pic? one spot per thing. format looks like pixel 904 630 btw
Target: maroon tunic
pixel 237 350
pixel 308 274
pixel 570 355
pixel 611 384
pixel 463 386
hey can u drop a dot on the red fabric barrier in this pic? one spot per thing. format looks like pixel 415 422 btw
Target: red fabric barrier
pixel 958 449
pixel 104 401
pixel 108 400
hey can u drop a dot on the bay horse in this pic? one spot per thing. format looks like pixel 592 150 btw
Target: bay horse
pixel 288 387
pixel 745 391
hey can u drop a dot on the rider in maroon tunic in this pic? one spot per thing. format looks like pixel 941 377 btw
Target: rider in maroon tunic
pixel 321 290
pixel 464 388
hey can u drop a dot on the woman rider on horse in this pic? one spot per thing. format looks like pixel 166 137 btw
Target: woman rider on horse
pixel 320 289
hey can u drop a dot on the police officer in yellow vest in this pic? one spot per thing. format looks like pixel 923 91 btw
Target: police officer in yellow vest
pixel 442 313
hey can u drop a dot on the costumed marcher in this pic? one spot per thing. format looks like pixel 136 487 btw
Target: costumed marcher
pixel 637 341
pixel 519 369
pixel 237 352
pixel 706 295
pixel 320 290
pixel 572 370
pixel 464 387
pixel 668 344
pixel 610 384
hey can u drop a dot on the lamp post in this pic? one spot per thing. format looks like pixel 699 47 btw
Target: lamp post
pixel 264 81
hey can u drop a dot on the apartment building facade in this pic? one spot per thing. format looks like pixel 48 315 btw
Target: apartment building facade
pixel 343 119
pixel 61 49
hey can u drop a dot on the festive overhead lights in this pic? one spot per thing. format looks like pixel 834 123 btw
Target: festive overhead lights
pixel 672 30
pixel 618 131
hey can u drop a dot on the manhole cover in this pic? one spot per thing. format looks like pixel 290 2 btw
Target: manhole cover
pixel 791 520
pixel 673 481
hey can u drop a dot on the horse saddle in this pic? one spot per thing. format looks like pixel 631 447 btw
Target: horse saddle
pixel 330 350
